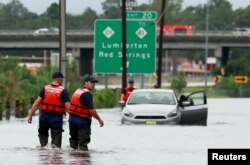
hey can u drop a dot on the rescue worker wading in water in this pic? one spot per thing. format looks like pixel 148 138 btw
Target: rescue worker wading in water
pixel 126 92
pixel 81 112
pixel 53 100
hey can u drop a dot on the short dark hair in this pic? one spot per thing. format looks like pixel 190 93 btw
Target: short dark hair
pixel 131 81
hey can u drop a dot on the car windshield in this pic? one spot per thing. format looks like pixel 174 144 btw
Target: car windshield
pixel 166 98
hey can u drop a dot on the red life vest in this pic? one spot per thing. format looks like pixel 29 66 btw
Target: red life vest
pixel 128 90
pixel 76 108
pixel 51 101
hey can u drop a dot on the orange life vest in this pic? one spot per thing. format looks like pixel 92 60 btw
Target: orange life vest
pixel 51 101
pixel 128 90
pixel 76 108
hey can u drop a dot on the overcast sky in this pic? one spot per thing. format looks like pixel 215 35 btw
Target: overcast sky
pixel 78 6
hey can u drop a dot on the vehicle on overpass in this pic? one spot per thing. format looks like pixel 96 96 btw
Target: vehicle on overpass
pixel 241 31
pixel 176 29
pixel 161 106
pixel 46 30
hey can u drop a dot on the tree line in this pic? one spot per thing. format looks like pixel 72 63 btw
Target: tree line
pixel 222 17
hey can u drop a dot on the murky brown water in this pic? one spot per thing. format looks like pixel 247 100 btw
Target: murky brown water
pixel 116 144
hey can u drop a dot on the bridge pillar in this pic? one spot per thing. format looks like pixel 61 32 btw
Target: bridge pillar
pixel 47 57
pixel 86 61
pixel 76 55
pixel 218 56
pixel 174 54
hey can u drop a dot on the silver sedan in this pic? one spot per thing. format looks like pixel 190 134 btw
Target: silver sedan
pixel 161 106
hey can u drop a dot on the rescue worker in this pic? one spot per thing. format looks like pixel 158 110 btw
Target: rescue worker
pixel 126 92
pixel 54 101
pixel 81 111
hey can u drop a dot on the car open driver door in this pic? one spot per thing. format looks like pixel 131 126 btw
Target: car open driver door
pixel 194 109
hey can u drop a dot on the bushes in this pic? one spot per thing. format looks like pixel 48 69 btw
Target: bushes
pixel 178 83
pixel 104 98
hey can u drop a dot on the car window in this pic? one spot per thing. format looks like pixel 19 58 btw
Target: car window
pixel 196 98
pixel 166 98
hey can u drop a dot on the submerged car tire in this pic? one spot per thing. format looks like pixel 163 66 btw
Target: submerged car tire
pixel 122 121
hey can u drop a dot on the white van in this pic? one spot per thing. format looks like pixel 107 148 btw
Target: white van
pixel 241 31
pixel 46 30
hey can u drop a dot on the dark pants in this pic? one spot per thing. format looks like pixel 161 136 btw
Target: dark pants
pixel 80 131
pixel 79 138
pixel 52 122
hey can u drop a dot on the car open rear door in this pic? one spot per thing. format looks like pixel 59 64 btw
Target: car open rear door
pixel 195 111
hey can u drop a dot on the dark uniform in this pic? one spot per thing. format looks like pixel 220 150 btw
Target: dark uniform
pixel 80 118
pixel 51 114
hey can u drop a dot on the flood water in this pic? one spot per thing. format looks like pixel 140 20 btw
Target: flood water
pixel 116 144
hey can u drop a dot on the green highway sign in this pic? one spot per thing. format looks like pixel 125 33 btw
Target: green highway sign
pixel 143 15
pixel 140 52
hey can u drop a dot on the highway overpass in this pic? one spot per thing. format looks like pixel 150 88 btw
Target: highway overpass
pixel 82 43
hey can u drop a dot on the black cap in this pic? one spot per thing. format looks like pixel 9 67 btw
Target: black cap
pixel 131 81
pixel 57 74
pixel 90 78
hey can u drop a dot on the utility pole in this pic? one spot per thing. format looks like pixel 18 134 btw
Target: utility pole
pixel 62 43
pixel 206 46
pixel 159 68
pixel 124 41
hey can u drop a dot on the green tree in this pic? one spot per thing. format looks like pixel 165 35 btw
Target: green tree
pixel 221 15
pixel 172 11
pixel 14 15
pixel 89 16
pixel 51 17
pixel 179 82
pixel 111 9
pixel 74 22
pixel 242 17
pixel 53 12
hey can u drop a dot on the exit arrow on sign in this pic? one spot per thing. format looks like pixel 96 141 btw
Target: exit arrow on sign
pixel 216 78
pixel 240 79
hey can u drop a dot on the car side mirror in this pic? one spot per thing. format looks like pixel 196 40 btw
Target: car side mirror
pixel 184 103
pixel 122 103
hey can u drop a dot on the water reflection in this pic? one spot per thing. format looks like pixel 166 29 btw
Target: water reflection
pixel 59 156
pixel 80 157
pixel 48 157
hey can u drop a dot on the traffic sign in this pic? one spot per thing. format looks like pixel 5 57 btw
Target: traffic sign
pixel 216 78
pixel 141 49
pixel 145 15
pixel 240 79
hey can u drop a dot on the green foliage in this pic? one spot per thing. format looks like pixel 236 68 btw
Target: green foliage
pixel 111 9
pixel 221 15
pixel 104 98
pixel 13 15
pixel 227 83
pixel 89 16
pixel 238 66
pixel 178 83
pixel 228 87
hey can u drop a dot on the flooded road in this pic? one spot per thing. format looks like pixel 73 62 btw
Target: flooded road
pixel 116 144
